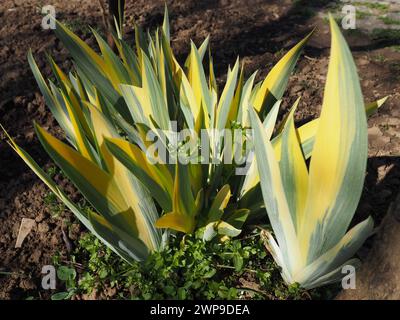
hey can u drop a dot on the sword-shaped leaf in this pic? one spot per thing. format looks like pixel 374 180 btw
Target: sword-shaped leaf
pixel 310 215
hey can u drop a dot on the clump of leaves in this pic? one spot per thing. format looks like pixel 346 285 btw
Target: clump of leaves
pixel 52 202
pixel 389 21
pixel 388 35
pixel 374 6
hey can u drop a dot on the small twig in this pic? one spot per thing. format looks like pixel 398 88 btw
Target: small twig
pixel 103 13
pixel 250 237
pixel 124 272
pixel 66 240
pixel 307 294
pixel 75 264
pixel 259 227
pixel 309 58
pixel 263 293
pixel 230 267
pixel 11 273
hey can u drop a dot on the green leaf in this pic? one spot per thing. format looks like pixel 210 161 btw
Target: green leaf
pixel 60 296
pixel 275 83
pixel 238 262
pixel 66 274
pixel 226 229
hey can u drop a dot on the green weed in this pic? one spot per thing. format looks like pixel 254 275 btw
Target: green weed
pixel 372 5
pixel 389 21
pixel 186 269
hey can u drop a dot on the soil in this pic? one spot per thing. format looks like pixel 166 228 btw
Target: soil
pixel 379 276
pixel 259 31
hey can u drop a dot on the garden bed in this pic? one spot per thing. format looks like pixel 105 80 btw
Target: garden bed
pixel 260 32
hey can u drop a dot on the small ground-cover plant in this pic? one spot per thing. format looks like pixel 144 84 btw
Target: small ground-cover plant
pixel 386 35
pixel 373 5
pixel 390 21
pixel 187 269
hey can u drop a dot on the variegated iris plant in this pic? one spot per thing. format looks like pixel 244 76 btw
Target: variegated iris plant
pixel 310 209
pixel 110 102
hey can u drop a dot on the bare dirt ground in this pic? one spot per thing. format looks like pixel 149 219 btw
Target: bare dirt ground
pixel 259 31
